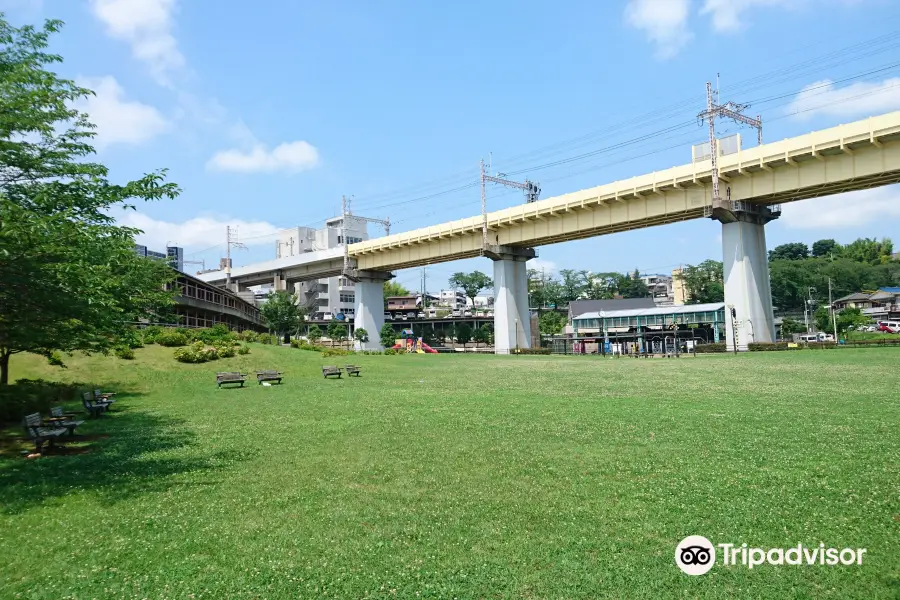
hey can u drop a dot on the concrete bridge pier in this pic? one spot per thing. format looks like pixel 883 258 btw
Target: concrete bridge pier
pixel 370 306
pixel 512 317
pixel 746 271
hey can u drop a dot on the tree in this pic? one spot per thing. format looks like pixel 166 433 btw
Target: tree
pixel 552 323
pixel 632 286
pixel 388 335
pixel 471 283
pixel 792 251
pixel 314 334
pixel 361 335
pixel 281 314
pixel 483 334
pixel 336 331
pixel 574 284
pixel 845 319
pixel 870 251
pixel 704 283
pixel 826 248
pixel 463 333
pixel 392 288
pixel 70 277
pixel 789 326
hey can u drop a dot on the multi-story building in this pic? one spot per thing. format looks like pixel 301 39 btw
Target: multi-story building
pixel 661 289
pixel 679 291
pixel 330 296
pixel 174 255
pixel 452 299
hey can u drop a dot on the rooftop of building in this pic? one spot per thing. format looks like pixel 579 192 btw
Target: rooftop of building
pixel 656 310
pixel 579 307
pixel 855 296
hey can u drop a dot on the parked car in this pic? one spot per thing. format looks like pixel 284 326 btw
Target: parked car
pixel 890 326
pixel 387 316
pixel 871 328
pixel 420 315
pixel 456 313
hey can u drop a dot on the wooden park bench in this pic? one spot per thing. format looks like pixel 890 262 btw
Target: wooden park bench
pixel 58 418
pixel 102 396
pixel 268 376
pixel 351 370
pixel 230 378
pixel 40 433
pixel 331 370
pixel 94 407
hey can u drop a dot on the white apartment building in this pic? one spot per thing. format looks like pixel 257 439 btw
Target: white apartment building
pixel 331 295
pixel 452 299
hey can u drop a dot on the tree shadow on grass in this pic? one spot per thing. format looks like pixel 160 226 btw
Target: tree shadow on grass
pixel 129 452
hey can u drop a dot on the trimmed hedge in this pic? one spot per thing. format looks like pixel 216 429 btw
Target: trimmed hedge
pixel 767 346
pixel 710 348
pixel 329 352
pixel 531 351
pixel 172 338
pixel 304 345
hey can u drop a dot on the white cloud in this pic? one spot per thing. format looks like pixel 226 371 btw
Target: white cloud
pixel 862 98
pixel 290 157
pixel 197 232
pixel 840 211
pixel 147 26
pixel 118 121
pixel 728 15
pixel 542 264
pixel 663 21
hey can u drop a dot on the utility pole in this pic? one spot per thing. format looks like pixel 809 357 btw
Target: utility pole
pixel 730 110
pixel 532 192
pixel 344 236
pixel 809 292
pixel 230 240
pixel 833 315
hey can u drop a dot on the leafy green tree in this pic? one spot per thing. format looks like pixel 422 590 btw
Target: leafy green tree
pixel 392 288
pixel 336 331
pixel 388 335
pixel 70 277
pixel 471 283
pixel 463 333
pixel 789 326
pixel 574 284
pixel 552 323
pixel 314 334
pixel 704 282
pixel 826 248
pixel 483 334
pixel 361 335
pixel 849 317
pixel 792 251
pixel 870 251
pixel 282 314
pixel 632 286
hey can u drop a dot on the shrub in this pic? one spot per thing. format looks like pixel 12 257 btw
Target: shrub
pixel 304 345
pixel 187 354
pixel 225 351
pixel 28 396
pixel 172 338
pixel 767 346
pixel 215 334
pixel 390 351
pixel 387 335
pixel 125 353
pixel 821 345
pixel 531 351
pixel 243 349
pixel 267 339
pixel 709 348
pixel 250 336
pixel 329 352
pixel 149 334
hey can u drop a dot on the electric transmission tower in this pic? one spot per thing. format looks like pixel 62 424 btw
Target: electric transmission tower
pixel 345 212
pixel 231 239
pixel 729 110
pixel 532 192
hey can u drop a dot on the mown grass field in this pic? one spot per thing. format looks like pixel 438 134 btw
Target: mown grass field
pixel 462 477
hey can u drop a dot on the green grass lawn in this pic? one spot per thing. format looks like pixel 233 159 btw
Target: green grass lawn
pixel 462 477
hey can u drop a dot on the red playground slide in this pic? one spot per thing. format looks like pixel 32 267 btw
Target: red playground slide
pixel 428 348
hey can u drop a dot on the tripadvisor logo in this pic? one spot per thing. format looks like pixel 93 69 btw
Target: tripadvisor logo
pixel 696 555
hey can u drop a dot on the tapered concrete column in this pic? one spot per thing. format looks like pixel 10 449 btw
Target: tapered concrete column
pixel 278 283
pixel 370 307
pixel 512 317
pixel 746 272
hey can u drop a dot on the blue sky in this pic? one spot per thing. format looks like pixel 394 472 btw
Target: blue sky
pixel 267 115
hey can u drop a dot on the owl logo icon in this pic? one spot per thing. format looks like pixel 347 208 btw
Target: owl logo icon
pixel 695 555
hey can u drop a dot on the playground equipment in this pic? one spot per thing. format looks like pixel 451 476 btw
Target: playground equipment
pixel 411 343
